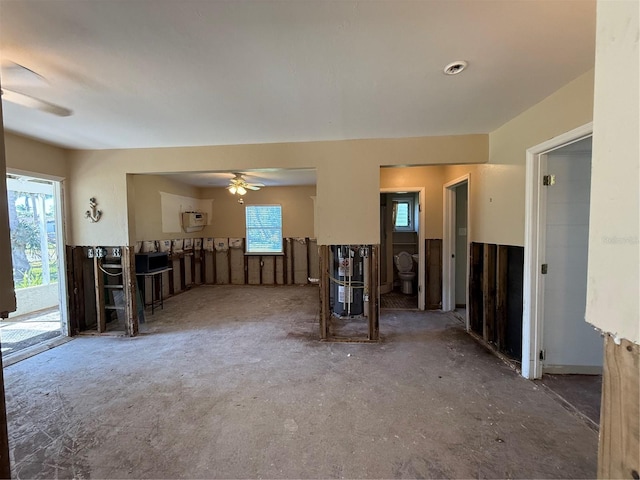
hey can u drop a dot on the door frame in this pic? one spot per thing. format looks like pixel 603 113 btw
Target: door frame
pixel 58 189
pixel 421 237
pixel 449 243
pixel 535 231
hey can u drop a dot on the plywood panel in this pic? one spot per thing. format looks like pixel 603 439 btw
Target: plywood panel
pixel 268 270
pixel 222 267
pixel 299 253
pixel 209 267
pixel 254 270
pixel 314 259
pixel 619 450
pixel 501 296
pixel 280 270
pixel 188 269
pixel 236 257
pixel 515 285
pixel 433 273
pixel 475 288
pixel 489 292
pixel 176 274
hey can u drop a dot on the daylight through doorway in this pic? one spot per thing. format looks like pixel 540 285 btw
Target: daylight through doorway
pixel 35 251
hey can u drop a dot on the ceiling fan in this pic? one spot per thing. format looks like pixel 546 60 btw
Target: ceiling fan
pixel 15 74
pixel 238 185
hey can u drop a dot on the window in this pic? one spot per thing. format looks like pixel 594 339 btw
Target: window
pixel 403 214
pixel 264 229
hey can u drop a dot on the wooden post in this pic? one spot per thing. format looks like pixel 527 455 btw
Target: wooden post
pixel 171 281
pixel 214 267
pixel 101 323
pixel 306 242
pixel 285 277
pixel 275 270
pixel 183 280
pixel 489 292
pixel 193 267
pixel 501 296
pixel 324 292
pixel 293 262
pixel 619 449
pixel 246 269
pixel 129 287
pixel 374 282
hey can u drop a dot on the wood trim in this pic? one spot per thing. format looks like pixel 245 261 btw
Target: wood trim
pixel 619 448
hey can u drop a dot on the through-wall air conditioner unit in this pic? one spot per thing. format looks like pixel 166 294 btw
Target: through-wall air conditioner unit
pixel 193 221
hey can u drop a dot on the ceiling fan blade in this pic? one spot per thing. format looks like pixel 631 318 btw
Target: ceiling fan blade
pixel 32 102
pixel 252 186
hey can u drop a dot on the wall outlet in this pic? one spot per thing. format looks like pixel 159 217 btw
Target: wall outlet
pixel 117 252
pixel 101 252
pixel 89 252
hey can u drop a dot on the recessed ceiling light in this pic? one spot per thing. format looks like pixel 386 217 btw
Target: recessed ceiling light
pixel 455 68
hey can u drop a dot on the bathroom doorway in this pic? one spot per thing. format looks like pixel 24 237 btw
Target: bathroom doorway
pixel 401 252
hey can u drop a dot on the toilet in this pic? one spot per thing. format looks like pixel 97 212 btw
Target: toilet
pixel 404 264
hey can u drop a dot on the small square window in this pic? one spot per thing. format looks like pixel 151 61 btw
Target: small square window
pixel 403 214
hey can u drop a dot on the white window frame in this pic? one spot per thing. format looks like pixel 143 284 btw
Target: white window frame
pixel 247 228
pixel 410 200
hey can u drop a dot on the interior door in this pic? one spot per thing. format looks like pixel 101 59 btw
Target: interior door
pixel 570 345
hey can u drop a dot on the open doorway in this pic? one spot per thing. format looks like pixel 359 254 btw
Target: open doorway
pixel 456 247
pixel 402 266
pixel 559 346
pixel 37 249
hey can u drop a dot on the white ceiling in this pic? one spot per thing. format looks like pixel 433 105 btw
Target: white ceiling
pixel 183 72
pixel 270 178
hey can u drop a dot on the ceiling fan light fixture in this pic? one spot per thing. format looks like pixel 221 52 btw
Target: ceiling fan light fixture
pixel 241 190
pixel 233 189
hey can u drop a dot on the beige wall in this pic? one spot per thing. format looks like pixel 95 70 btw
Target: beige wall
pixel 31 156
pixel 25 155
pixel 431 178
pixel 144 194
pixel 497 189
pixel 346 171
pixel 613 277
pixel 228 218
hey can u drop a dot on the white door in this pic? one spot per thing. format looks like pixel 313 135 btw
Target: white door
pixel 570 345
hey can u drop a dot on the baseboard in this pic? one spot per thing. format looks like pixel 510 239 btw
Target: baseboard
pixel 572 369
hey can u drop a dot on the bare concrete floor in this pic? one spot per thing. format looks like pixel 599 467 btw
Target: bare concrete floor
pixel 231 382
